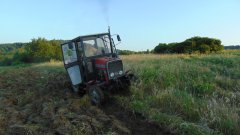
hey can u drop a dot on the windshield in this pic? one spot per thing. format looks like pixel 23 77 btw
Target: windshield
pixel 94 46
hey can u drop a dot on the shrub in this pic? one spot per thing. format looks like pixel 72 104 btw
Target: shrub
pixel 161 48
pixel 204 48
pixel 22 56
pixel 194 44
pixel 6 62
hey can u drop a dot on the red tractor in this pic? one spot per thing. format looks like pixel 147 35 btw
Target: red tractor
pixel 94 67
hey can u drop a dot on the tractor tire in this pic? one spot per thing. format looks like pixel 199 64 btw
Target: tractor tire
pixel 75 89
pixel 96 95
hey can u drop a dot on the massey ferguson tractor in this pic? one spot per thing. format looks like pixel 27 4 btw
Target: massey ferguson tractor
pixel 94 67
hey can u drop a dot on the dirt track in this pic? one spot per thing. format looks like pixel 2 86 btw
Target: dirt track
pixel 134 122
pixel 29 106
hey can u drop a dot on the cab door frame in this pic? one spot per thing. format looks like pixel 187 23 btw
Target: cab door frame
pixel 72 65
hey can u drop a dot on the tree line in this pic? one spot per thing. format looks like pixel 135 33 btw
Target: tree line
pixel 38 50
pixel 41 49
pixel 191 45
pixel 232 47
pixel 10 47
pixel 129 52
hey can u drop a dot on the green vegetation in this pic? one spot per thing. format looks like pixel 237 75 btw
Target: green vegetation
pixel 232 47
pixel 128 52
pixel 185 94
pixel 42 50
pixel 8 48
pixel 192 45
pixel 191 93
pixel 188 94
pixel 38 50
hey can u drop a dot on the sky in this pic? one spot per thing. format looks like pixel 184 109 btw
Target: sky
pixel 142 24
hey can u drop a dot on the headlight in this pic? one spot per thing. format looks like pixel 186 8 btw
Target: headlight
pixel 112 75
pixel 120 72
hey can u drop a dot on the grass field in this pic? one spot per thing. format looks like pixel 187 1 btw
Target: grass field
pixel 185 94
pixel 188 94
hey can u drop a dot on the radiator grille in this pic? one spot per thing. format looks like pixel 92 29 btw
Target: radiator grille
pixel 115 67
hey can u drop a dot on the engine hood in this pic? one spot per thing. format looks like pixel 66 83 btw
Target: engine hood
pixel 101 62
pixel 110 67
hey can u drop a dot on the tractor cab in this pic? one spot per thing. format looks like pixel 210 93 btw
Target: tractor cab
pixel 93 65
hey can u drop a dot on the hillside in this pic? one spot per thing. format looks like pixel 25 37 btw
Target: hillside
pixel 10 47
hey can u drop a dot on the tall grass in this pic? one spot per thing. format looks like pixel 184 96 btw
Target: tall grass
pixel 189 94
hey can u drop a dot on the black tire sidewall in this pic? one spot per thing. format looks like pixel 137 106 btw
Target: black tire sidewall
pixel 99 93
pixel 75 89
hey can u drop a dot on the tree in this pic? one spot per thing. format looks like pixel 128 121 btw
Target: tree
pixel 161 48
pixel 204 48
pixel 43 50
pixel 191 45
pixel 57 52
pixel 22 56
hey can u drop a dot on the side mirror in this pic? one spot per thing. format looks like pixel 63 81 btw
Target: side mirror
pixel 118 38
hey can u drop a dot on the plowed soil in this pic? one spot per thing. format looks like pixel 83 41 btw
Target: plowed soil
pixel 40 102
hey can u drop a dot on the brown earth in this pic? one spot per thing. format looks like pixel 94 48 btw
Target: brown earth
pixel 33 102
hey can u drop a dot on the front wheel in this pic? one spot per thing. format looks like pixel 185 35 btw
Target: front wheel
pixel 75 88
pixel 96 95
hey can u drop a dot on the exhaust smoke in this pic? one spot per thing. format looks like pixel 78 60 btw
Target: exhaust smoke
pixel 104 4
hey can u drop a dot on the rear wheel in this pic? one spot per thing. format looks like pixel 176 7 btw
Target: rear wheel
pixel 96 95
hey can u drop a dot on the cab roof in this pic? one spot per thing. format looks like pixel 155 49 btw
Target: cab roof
pixel 91 35
pixel 85 36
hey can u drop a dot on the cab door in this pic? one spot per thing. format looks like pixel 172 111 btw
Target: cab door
pixel 71 64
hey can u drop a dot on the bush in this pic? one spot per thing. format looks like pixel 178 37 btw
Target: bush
pixel 195 44
pixel 204 48
pixel 161 48
pixel 6 62
pixel 22 56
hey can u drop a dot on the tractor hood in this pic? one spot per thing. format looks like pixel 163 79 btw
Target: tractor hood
pixel 102 62
pixel 112 67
